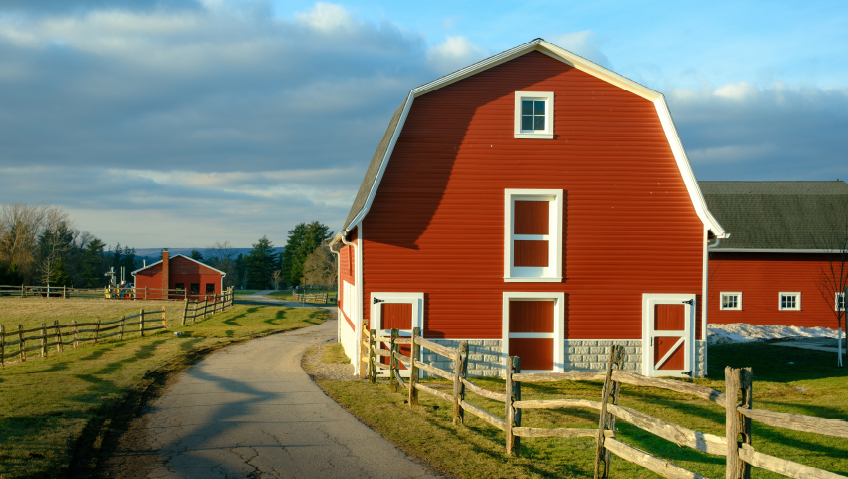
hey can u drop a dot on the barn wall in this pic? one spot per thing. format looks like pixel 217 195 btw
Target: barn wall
pixel 182 270
pixel 761 277
pixel 436 224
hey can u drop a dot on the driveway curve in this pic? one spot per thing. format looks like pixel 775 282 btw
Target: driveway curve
pixel 249 410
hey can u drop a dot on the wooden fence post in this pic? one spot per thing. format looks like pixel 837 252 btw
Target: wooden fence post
pixel 75 333
pixel 121 330
pixel 64 292
pixel 21 342
pixel 185 312
pixel 372 356
pixel 59 345
pixel 392 379
pixel 141 323
pixel 43 340
pixel 2 345
pixel 509 408
pixel 22 291
pixel 96 329
pixel 607 420
pixel 458 387
pixel 415 352
pixel 736 424
pixel 164 324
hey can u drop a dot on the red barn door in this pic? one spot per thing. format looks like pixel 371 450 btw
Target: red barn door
pixel 668 341
pixel 396 310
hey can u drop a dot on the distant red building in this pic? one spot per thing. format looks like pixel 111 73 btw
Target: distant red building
pixel 769 271
pixel 193 279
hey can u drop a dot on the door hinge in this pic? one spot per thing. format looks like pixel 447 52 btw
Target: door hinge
pixel 689 302
pixel 379 300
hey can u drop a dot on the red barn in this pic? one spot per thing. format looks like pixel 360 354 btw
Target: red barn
pixel 537 205
pixel 195 279
pixel 769 271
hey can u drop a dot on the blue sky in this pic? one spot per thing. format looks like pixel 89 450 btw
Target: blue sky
pixel 184 122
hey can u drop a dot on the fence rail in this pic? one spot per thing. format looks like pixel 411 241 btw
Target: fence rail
pixel 126 293
pixel 210 305
pixel 740 455
pixel 61 335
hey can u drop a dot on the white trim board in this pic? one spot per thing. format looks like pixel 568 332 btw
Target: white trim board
pixel 583 65
pixel 559 324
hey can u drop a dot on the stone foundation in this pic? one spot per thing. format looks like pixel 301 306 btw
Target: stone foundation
pixel 485 356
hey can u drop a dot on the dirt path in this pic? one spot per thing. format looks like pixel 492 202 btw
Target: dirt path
pixel 250 410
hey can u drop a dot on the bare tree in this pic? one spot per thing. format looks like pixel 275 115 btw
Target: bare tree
pixel 277 278
pixel 54 241
pixel 832 280
pixel 23 224
pixel 320 267
pixel 220 256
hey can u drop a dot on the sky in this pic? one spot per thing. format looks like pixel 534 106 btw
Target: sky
pixel 182 123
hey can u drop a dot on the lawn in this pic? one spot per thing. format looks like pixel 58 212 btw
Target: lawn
pixel 785 380
pixel 62 415
pixel 31 312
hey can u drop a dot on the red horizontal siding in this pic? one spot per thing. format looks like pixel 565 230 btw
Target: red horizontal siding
pixel 760 277
pixel 437 223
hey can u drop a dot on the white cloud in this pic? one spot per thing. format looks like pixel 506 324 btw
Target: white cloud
pixel 583 43
pixel 454 53
pixel 736 91
pixel 327 18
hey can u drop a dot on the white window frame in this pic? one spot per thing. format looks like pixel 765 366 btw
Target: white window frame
pixel 559 325
pixel 730 293
pixel 836 301
pixel 535 274
pixel 548 97
pixel 797 300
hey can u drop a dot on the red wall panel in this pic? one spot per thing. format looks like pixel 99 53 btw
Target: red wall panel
pixel 437 223
pixel 182 270
pixel 760 277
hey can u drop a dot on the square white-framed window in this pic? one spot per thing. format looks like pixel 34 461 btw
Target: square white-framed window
pixel 533 235
pixel 534 114
pixel 789 301
pixel 731 301
pixel 839 302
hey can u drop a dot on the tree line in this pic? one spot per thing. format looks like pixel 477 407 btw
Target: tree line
pixel 40 246
pixel 306 259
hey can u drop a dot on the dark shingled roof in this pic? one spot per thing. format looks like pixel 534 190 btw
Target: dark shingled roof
pixel 373 168
pixel 775 214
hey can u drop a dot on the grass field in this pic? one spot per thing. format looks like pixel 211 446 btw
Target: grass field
pixel 31 312
pixel 65 413
pixel 785 380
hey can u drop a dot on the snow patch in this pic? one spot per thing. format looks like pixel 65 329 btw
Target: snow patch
pixel 744 333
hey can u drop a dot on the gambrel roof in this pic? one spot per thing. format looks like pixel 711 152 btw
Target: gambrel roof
pixel 368 188
pixel 788 216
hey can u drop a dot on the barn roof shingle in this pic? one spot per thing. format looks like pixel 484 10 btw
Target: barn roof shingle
pixel 775 215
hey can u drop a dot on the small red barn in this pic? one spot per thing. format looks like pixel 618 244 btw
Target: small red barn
pixel 194 279
pixel 769 271
pixel 537 205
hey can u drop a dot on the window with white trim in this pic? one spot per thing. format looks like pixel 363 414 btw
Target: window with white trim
pixel 839 303
pixel 533 235
pixel 789 301
pixel 534 114
pixel 731 301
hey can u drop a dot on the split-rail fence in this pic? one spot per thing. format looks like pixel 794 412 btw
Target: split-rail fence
pixel 209 305
pixel 735 445
pixel 126 293
pixel 13 343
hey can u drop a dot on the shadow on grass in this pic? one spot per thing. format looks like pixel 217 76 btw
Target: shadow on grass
pixel 233 321
pixel 772 363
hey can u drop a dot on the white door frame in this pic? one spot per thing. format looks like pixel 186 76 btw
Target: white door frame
pixel 648 332
pixel 559 325
pixel 417 302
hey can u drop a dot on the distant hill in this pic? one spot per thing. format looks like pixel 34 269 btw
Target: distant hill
pixel 155 254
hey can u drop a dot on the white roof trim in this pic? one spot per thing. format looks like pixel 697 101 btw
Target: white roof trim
pixel 583 65
pixel 177 256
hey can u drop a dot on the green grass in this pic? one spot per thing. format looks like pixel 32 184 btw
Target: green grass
pixel 335 354
pixel 67 411
pixel 31 312
pixel 811 386
pixel 245 292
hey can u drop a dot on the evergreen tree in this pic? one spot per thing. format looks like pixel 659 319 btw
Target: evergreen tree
pixel 261 263
pixel 240 271
pixel 196 255
pixel 93 263
pixel 302 242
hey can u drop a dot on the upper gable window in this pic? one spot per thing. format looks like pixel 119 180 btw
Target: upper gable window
pixel 533 235
pixel 534 114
